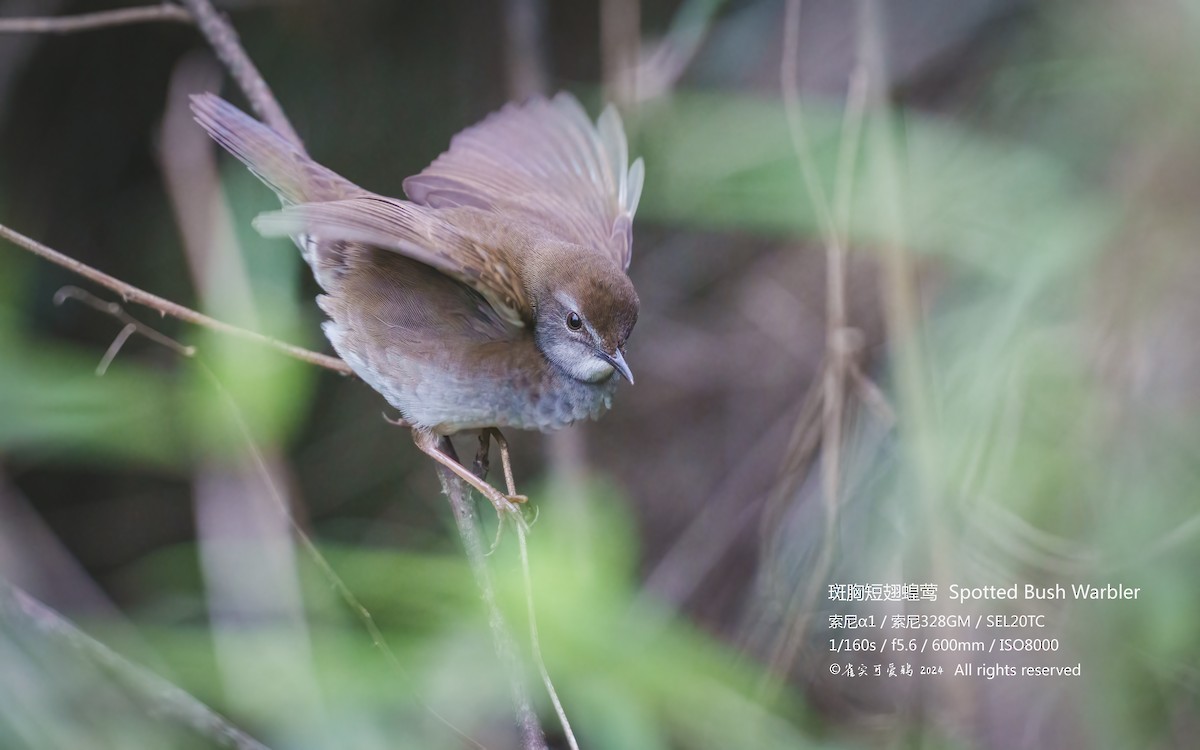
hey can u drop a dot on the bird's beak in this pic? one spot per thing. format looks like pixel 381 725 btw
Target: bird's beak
pixel 617 360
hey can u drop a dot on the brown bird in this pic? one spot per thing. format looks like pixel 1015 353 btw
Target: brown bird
pixel 497 295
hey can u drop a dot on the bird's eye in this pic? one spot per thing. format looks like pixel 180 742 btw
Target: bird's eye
pixel 574 322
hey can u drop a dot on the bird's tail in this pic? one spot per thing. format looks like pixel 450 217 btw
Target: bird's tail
pixel 282 165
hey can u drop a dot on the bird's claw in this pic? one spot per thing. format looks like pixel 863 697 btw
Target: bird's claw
pixel 398 422
pixel 510 509
pixel 508 504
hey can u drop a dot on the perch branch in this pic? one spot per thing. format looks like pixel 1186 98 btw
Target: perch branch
pixel 166 307
pixel 532 736
pixel 535 641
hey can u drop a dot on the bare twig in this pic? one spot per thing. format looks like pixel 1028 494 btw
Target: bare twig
pixel 165 307
pixel 224 41
pixel 101 20
pixel 535 640
pixel 215 28
pixel 532 736
pixel 20 610
pixel 115 310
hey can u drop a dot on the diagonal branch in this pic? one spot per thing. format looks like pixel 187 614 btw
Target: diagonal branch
pixel 224 41
pixel 166 307
pixel 100 20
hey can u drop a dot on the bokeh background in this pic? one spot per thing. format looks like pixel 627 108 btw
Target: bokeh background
pixel 919 306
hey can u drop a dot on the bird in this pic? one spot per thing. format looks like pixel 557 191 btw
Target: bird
pixel 497 295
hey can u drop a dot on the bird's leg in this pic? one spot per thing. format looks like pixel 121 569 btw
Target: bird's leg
pixel 481 468
pixel 481 465
pixel 509 482
pixel 427 441
pixel 505 461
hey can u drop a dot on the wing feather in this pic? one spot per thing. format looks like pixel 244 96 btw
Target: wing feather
pixel 417 232
pixel 543 162
pixel 282 165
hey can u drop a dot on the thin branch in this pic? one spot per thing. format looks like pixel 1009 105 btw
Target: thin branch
pixel 90 21
pixel 215 28
pixel 138 296
pixel 19 609
pixel 224 40
pixel 535 640
pixel 131 323
pixel 532 736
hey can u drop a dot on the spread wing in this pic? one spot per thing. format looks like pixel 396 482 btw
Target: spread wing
pixel 419 232
pixel 543 162
pixel 282 165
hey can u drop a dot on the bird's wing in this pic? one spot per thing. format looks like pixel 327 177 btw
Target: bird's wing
pixel 545 163
pixel 282 165
pixel 417 232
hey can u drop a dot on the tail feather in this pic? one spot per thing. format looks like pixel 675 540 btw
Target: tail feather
pixel 282 165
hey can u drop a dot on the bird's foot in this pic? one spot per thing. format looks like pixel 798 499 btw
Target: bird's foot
pixel 503 503
pixel 506 505
pixel 398 422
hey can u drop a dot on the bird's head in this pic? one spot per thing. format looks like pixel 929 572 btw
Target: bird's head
pixel 585 311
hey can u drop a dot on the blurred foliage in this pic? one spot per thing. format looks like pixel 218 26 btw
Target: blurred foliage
pixel 1045 405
